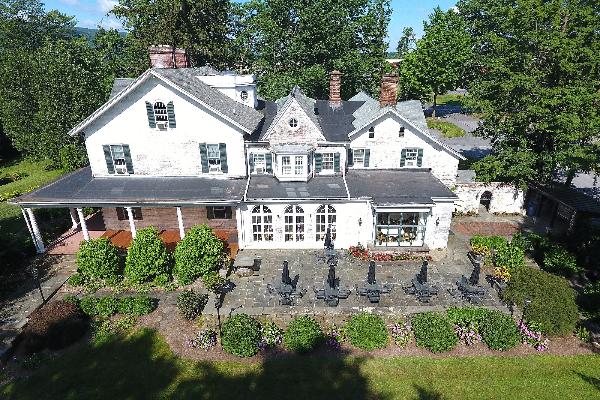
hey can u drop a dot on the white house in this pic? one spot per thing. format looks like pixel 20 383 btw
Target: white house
pixel 176 147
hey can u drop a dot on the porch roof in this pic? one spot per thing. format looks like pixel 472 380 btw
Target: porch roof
pixel 571 197
pixel 397 186
pixel 80 188
pixel 319 187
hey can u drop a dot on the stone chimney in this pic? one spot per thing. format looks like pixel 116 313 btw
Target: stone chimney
pixel 166 56
pixel 335 87
pixel 389 90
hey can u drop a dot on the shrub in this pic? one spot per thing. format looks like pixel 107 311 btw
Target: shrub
pixel 241 335
pixel 147 257
pixel 272 335
pixel 559 261
pixel 107 306
pixel 434 332
pixel 213 281
pixel 499 331
pixel 367 331
pixel 98 258
pixel 72 157
pixel 303 334
pixel 88 305
pixel 465 316
pixel 54 326
pixel 191 304
pixel 485 245
pixel 198 253
pixel 552 300
pixel 510 256
pixel 136 305
pixel 76 280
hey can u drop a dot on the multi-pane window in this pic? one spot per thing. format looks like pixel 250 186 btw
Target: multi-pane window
pixel 286 165
pixel 160 112
pixel 262 224
pixel 325 219
pixel 358 156
pixel 294 224
pixel 214 157
pixel 327 162
pixel 411 157
pixel 400 229
pixel 118 157
pixel 259 163
pixel 218 212
pixel 298 165
pixel 293 122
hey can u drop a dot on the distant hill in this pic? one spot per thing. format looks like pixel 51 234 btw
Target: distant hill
pixel 89 33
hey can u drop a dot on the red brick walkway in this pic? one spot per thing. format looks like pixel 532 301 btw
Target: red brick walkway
pixel 485 228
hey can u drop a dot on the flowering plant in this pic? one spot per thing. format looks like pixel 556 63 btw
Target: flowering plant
pixel 532 335
pixel 205 339
pixel 468 334
pixel 401 333
pixel 336 335
pixel 501 273
pixel 360 252
pixel 272 335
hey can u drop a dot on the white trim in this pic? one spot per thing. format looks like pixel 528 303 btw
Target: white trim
pixel 37 235
pixel 281 113
pixel 131 222
pixel 86 234
pixel 180 222
pixel 74 221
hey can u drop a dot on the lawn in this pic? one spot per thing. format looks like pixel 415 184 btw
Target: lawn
pixel 143 367
pixel 448 129
pixel 449 100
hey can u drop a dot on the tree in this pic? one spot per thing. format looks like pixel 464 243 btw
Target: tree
pixel 121 54
pixel 201 27
pixel 441 57
pixel 537 84
pixel 406 42
pixel 298 42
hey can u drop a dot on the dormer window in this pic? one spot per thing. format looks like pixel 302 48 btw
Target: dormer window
pixel 160 112
pixel 293 122
pixel 161 115
pixel 371 132
pixel 214 157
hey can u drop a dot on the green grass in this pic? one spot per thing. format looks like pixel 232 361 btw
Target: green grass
pixel 448 129
pixel 449 100
pixel 143 367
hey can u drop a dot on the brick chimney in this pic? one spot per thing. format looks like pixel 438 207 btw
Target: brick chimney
pixel 335 87
pixel 166 56
pixel 389 90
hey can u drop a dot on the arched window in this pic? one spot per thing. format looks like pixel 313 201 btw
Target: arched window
pixel 294 224
pixel 262 224
pixel 160 111
pixel 325 219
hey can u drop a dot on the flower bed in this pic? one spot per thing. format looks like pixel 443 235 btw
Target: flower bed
pixel 365 254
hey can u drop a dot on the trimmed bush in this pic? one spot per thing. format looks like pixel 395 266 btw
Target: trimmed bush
pixel 191 304
pixel 136 305
pixel 147 258
pixel 434 332
pixel 303 334
pixel 510 256
pixel 241 335
pixel 213 281
pixel 98 258
pixel 88 305
pixel 197 254
pixel 465 316
pixel 499 331
pixel 552 300
pixel 54 326
pixel 367 331
pixel 109 305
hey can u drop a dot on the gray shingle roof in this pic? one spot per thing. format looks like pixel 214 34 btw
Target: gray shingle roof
pixel 81 188
pixel 395 187
pixel 319 187
pixel 119 85
pixel 571 197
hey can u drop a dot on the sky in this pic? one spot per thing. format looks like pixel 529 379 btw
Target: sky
pixel 91 13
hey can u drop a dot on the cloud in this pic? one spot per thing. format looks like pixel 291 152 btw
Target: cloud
pixel 105 5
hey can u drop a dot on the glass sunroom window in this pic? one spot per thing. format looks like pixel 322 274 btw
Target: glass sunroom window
pixel 395 229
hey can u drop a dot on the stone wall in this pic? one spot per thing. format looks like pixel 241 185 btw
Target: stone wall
pixel 506 199
pixel 438 225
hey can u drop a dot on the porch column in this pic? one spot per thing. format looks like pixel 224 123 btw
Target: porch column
pixel 84 230
pixel 73 214
pixel 37 236
pixel 131 222
pixel 180 222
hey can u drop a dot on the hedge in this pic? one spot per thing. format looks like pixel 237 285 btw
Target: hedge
pixel 499 331
pixel 434 332
pixel 197 254
pixel 241 335
pixel 98 258
pixel 303 334
pixel 147 258
pixel 367 331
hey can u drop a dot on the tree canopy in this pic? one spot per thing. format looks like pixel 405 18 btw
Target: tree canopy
pixel 406 42
pixel 537 84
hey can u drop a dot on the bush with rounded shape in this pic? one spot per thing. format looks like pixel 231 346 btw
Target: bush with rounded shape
pixel 367 331
pixel 303 334
pixel 98 258
pixel 213 281
pixel 54 326
pixel 197 254
pixel 191 304
pixel 499 331
pixel 241 335
pixel 552 305
pixel 434 332
pixel 147 257
pixel 137 305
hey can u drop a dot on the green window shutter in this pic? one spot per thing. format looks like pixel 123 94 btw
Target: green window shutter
pixel 128 162
pixel 403 158
pixel 171 114
pixel 223 151
pixel 419 157
pixel 318 162
pixel 151 117
pixel 204 158
pixel 336 162
pixel 367 157
pixel 251 162
pixel 350 157
pixel 269 162
pixel 110 166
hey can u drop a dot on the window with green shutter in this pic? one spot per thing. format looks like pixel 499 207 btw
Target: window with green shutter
pixel 223 156
pixel 419 157
pixel 203 158
pixel 171 114
pixel 118 159
pixel 336 162
pixel 269 162
pixel 110 166
pixel 318 162
pixel 150 113
pixel 411 157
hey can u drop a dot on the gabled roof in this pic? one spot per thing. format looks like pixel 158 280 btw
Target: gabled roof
pixel 185 81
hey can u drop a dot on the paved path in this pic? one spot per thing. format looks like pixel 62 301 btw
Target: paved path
pixel 17 305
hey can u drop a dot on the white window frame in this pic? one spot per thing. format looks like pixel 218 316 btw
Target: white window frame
pixel 260 162
pixel 412 160
pixel 286 165
pixel 161 116
pixel 358 161
pixel 262 224
pixel 215 165
pixel 325 218
pixel 119 163
pixel 299 168
pixel 325 162
pixel 294 224
pixel 293 122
